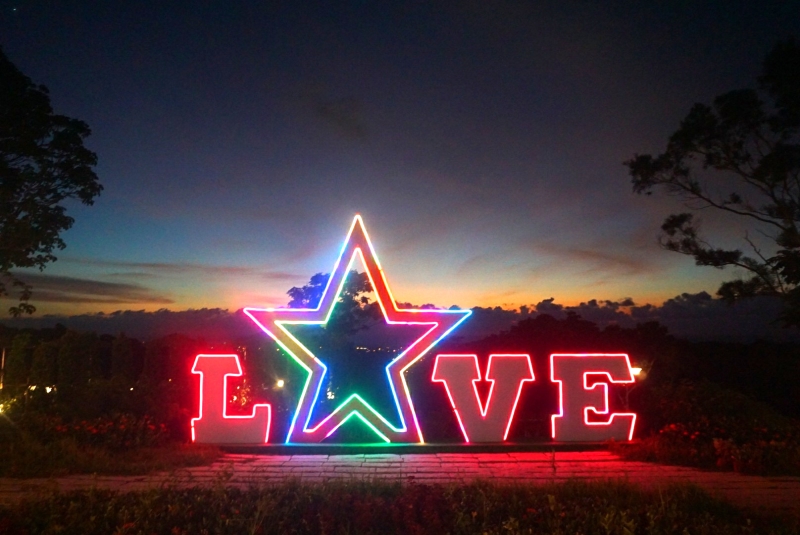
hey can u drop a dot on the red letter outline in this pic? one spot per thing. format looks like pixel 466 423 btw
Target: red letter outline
pixel 595 384
pixel 436 378
pixel 230 431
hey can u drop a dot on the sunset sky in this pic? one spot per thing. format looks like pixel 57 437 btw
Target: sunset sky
pixel 482 142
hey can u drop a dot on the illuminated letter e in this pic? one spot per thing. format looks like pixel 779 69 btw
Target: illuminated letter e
pixel 582 390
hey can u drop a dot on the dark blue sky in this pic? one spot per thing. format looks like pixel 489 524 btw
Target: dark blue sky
pixel 482 142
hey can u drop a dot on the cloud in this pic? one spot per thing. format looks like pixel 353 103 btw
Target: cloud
pixel 59 289
pixel 151 269
pixel 548 306
pixel 689 316
pixel 700 316
pixel 344 115
pixel 212 324
pixel 132 275
pixel 602 260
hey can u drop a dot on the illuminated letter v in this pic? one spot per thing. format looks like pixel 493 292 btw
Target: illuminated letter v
pixel 460 375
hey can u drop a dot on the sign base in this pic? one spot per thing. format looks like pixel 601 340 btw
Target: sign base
pixel 408 449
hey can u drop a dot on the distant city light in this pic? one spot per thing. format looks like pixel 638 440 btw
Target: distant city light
pixel 280 383
pixel 636 371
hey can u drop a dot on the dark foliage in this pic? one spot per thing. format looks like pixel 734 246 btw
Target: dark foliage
pixel 705 425
pixel 388 508
pixel 749 142
pixel 43 162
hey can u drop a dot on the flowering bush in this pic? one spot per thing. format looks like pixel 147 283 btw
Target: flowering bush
pixel 119 431
pixel 709 426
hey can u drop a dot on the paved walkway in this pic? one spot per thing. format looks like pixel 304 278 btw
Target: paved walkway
pixel 776 494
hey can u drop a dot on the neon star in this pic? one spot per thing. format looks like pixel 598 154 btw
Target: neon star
pixel 273 321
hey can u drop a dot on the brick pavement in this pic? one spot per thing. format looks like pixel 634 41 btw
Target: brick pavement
pixel 775 494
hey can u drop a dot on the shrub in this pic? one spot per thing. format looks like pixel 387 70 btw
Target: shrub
pixel 37 443
pixel 120 431
pixel 27 457
pixel 388 508
pixel 702 424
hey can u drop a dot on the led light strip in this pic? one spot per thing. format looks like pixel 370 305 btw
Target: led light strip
pixel 615 366
pixel 273 321
pixel 213 424
pixel 455 371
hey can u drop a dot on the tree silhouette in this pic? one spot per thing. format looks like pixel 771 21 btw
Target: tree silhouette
pixel 42 163
pixel 44 366
pixel 18 363
pixel 749 139
pixel 354 310
pixel 353 367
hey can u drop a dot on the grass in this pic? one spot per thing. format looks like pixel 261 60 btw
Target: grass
pixel 374 507
pixel 31 458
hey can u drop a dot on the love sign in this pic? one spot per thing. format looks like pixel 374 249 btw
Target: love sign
pixel 583 379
